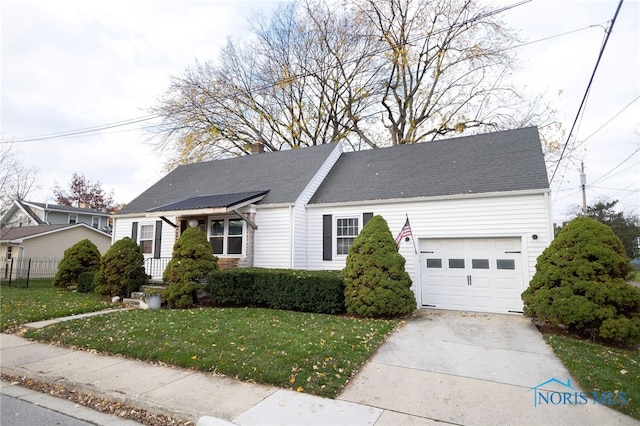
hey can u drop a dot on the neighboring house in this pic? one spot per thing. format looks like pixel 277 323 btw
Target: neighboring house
pixel 478 206
pixel 27 213
pixel 44 245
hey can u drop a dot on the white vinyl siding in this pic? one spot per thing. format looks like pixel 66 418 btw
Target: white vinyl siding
pixel 122 228
pixel 517 215
pixel 273 237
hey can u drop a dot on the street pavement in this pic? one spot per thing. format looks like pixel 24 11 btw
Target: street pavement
pixel 439 367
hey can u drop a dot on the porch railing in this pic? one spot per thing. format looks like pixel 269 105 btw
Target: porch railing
pixel 155 266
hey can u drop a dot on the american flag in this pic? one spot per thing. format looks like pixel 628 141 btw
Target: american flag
pixel 404 232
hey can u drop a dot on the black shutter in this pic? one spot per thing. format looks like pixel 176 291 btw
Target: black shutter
pixel 365 218
pixel 158 240
pixel 134 231
pixel 327 230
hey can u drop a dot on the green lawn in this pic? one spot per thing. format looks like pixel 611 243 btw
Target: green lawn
pixel 602 369
pixel 311 353
pixel 19 306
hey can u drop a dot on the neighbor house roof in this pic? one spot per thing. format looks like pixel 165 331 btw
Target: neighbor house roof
pixel 59 208
pixel 285 174
pixel 494 162
pixel 24 232
pixel 27 209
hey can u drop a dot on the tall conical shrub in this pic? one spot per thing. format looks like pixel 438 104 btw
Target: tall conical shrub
pixel 122 269
pixel 192 260
pixel 376 283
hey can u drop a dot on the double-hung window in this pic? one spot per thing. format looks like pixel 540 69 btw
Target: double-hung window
pixel 95 222
pixel 146 238
pixel 226 236
pixel 73 218
pixel 346 232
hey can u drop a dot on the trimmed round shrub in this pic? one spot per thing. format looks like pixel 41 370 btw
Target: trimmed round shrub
pixel 81 257
pixel 376 283
pixel 191 261
pixel 122 269
pixel 579 285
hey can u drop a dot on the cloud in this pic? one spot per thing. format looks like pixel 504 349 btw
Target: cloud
pixel 70 64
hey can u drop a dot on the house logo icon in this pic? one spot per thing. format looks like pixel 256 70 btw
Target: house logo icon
pixel 546 397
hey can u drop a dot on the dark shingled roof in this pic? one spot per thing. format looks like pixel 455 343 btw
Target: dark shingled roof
pixel 210 201
pixel 494 162
pixel 284 174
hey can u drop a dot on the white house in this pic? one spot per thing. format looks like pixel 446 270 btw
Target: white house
pixel 478 207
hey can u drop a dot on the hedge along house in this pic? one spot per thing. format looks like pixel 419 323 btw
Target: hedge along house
pixel 478 207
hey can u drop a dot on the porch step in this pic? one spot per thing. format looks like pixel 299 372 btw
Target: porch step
pixel 134 303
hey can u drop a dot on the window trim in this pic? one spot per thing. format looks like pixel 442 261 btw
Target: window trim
pixel 152 239
pixel 226 236
pixel 335 236
pixel 75 220
pixel 93 219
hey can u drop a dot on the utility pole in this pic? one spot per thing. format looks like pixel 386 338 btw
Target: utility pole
pixel 583 183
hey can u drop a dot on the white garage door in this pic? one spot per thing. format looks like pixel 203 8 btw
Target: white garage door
pixel 474 274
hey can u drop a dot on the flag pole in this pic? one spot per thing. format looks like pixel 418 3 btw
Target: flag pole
pixel 415 249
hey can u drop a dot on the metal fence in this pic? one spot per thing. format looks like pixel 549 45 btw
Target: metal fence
pixel 27 269
pixel 35 268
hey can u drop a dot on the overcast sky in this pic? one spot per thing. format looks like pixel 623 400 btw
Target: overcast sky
pixel 70 65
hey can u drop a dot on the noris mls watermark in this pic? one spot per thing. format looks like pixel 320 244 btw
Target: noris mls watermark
pixel 568 395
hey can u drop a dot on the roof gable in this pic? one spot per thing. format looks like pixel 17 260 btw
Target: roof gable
pixel 494 162
pixel 285 174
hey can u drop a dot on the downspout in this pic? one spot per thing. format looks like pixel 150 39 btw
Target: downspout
pixel 291 238
pixel 547 200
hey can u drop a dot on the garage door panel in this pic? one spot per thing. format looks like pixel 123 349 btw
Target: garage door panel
pixel 482 301
pixel 509 283
pixel 480 283
pixel 476 274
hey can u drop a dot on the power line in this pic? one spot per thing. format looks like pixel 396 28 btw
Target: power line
pixel 618 165
pixel 83 131
pixel 586 93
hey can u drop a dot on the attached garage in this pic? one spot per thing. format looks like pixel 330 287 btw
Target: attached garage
pixel 473 274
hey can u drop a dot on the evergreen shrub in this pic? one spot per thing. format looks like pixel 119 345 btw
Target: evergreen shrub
pixel 122 269
pixel 192 260
pixel 579 286
pixel 86 283
pixel 376 283
pixel 81 257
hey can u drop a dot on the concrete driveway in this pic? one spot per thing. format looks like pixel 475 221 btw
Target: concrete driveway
pixel 472 369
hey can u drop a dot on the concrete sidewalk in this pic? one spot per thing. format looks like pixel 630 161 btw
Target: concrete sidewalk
pixel 452 367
